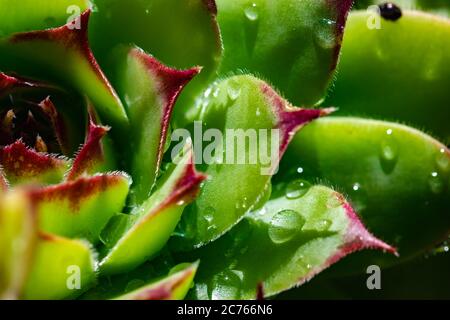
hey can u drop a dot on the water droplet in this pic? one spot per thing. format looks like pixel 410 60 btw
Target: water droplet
pixel 325 34
pixel 297 189
pixel 234 90
pixel 358 197
pixel 284 226
pixel 242 204
pixel 258 112
pixel 323 225
pixel 251 12
pixel 436 183
pixel 443 160
pixel 300 170
pixel 388 152
pixel 208 219
pixel 227 285
pixel 356 187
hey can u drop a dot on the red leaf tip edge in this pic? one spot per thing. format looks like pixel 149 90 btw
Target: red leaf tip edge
pixel 188 185
pixel 74 35
pixel 171 82
pixel 18 160
pixel 77 191
pixel 290 119
pixel 91 153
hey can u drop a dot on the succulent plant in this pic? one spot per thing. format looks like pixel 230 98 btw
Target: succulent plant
pixel 103 190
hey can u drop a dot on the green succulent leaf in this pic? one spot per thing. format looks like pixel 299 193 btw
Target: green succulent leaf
pixel 301 235
pixel 396 177
pixel 243 106
pixel 23 165
pixel 90 158
pixel 158 217
pixel 80 208
pixel 151 90
pixel 293 44
pixel 17 241
pixel 30 15
pixel 173 287
pixel 398 72
pixel 178 33
pixel 61 268
pixel 63 54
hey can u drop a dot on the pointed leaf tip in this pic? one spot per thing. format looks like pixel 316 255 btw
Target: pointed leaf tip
pixel 57 123
pixel 188 186
pixel 70 43
pixel 291 119
pixel 173 287
pixel 171 81
pixel 358 237
pixel 8 83
pixel 91 153
pixel 151 89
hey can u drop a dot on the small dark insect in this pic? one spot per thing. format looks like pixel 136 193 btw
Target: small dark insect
pixel 390 11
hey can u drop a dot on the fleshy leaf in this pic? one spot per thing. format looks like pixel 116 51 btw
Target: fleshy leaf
pixel 408 76
pixel 181 34
pixel 238 106
pixel 396 177
pixel 25 165
pixel 61 268
pixel 90 158
pixel 151 224
pixel 151 90
pixel 3 182
pixel 302 236
pixel 80 208
pixel 9 84
pixel 17 240
pixel 29 15
pixel 172 287
pixel 294 44
pixel 63 54
pixel 58 124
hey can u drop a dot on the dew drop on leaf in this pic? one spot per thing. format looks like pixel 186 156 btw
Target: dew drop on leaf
pixel 323 225
pixel 297 189
pixel 227 285
pixel 325 34
pixel 284 225
pixel 436 183
pixel 251 12
pixel 388 152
